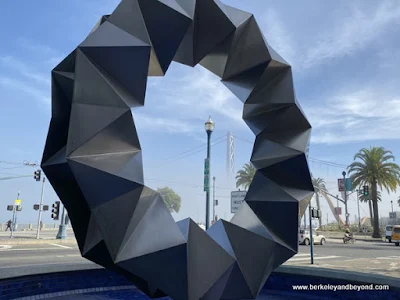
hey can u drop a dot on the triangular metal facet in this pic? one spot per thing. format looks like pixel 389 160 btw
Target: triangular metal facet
pixel 170 263
pixel 166 29
pixel 212 27
pixel 185 52
pixel 119 136
pixel 243 84
pixel 204 250
pixel 270 213
pixel 248 50
pixel 128 17
pixel 68 63
pixel 93 86
pixel 89 120
pixel 93 236
pixel 64 183
pixel 237 16
pixel 266 153
pixel 157 223
pixel 215 61
pixel 95 184
pixel 261 250
pixel 109 35
pixel 189 6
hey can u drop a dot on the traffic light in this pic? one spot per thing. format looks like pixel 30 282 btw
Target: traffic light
pixel 366 191
pixel 37 175
pixel 56 210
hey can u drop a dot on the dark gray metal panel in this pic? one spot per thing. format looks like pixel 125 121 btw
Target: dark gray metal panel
pixel 158 224
pixel 128 16
pixel 166 29
pixel 93 158
pixel 249 49
pixel 119 136
pixel 204 250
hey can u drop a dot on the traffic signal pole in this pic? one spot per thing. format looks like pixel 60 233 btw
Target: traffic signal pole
pixel 40 210
pixel 62 230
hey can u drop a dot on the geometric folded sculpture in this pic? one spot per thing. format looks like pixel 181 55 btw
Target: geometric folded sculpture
pixel 93 158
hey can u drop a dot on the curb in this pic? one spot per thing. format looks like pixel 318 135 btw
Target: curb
pixel 35 242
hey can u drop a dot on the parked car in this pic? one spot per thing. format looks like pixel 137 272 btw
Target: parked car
pixel 396 235
pixel 304 238
pixel 388 233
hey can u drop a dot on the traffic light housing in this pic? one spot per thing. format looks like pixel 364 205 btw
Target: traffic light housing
pixel 55 212
pixel 37 175
pixel 365 190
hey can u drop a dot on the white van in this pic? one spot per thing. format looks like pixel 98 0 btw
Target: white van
pixel 388 233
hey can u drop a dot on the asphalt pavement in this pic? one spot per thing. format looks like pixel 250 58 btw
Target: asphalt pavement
pixel 370 257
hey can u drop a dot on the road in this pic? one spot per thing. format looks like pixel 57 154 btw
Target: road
pixel 370 257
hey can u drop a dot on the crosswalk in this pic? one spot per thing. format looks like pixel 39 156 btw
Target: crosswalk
pixel 306 257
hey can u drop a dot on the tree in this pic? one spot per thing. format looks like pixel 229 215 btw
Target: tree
pixel 319 185
pixel 171 199
pixel 245 176
pixel 398 201
pixel 375 168
pixel 362 198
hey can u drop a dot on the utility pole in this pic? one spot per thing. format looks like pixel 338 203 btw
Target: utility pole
pixel 311 235
pixel 209 126
pixel 358 208
pixel 337 210
pixel 345 198
pixel 40 209
pixel 62 232
pixel 213 200
pixel 14 222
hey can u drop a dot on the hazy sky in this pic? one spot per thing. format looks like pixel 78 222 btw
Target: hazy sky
pixel 345 57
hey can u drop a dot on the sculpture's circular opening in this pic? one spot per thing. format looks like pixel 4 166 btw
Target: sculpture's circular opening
pixel 93 156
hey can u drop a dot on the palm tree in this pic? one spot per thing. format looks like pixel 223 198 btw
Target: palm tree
pixel 319 185
pixel 376 169
pixel 362 198
pixel 244 177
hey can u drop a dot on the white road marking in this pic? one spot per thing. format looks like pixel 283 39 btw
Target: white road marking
pixel 5 247
pixel 29 249
pixel 307 258
pixel 301 254
pixel 388 257
pixel 62 246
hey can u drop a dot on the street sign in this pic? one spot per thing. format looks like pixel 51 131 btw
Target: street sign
pixel 392 215
pixel 10 207
pixel 36 206
pixel 18 202
pixel 338 210
pixel 349 185
pixel 364 229
pixel 340 183
pixel 237 197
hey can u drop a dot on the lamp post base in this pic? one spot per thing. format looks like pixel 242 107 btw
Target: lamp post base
pixel 62 232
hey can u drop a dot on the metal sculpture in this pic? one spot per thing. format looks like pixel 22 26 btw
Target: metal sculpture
pixel 93 159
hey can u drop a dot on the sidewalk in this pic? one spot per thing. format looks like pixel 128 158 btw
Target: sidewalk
pixel 29 237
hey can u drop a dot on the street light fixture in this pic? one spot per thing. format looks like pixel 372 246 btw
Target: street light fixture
pixel 209 127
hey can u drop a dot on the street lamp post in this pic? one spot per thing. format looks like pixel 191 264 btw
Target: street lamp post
pixel 209 126
pixel 345 198
pixel 393 220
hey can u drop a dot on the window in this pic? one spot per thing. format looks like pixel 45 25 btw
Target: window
pixel 397 230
